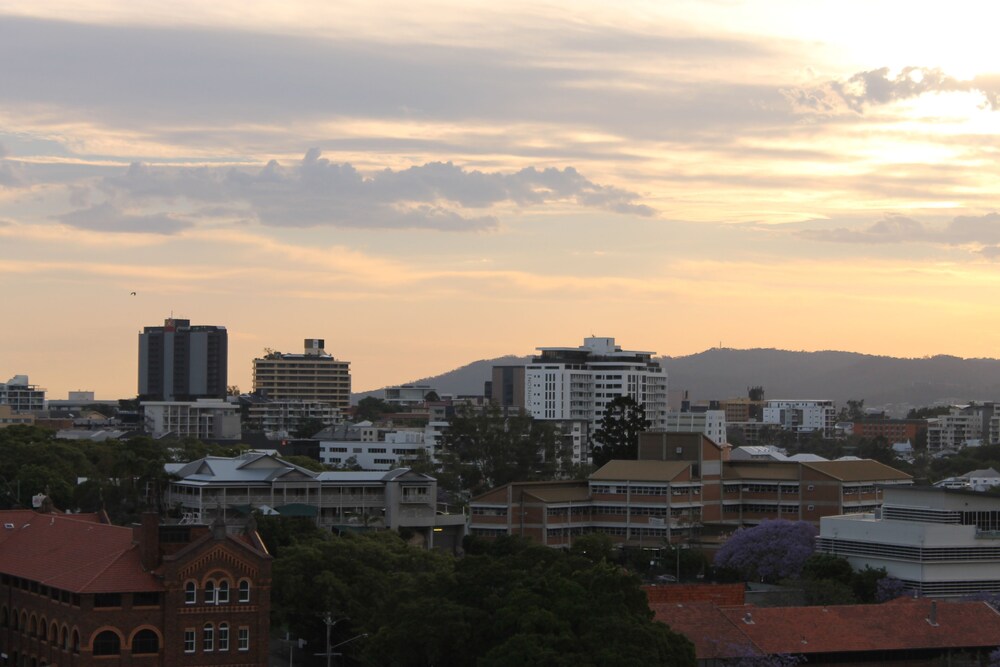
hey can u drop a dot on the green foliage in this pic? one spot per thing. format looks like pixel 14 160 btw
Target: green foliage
pixel 507 602
pixel 618 435
pixel 305 462
pixel 372 409
pixel 596 547
pixel 307 428
pixel 829 579
pixel 483 450
pixel 828 566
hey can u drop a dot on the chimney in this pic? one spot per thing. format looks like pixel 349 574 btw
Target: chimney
pixel 147 534
pixel 932 619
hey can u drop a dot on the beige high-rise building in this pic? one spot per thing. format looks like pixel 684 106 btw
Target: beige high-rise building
pixel 313 376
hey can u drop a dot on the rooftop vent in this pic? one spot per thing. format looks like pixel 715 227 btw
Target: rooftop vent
pixel 8 526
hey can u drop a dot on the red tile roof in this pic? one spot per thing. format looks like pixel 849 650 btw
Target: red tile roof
pixel 714 636
pixel 73 554
pixel 895 626
pixel 719 632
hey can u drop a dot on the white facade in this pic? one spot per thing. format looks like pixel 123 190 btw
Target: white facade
pixel 964 425
pixel 392 449
pixel 938 543
pixel 577 383
pixel 21 395
pixel 803 416
pixel 711 422
pixel 207 419
pixel 281 417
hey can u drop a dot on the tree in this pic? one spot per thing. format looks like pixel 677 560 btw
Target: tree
pixel 770 551
pixel 483 450
pixel 618 435
pixel 854 411
pixel 372 408
pixel 307 428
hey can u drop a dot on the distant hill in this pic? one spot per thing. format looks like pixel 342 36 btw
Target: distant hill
pixel 892 382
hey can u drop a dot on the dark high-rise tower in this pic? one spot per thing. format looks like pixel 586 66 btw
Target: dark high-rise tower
pixel 180 362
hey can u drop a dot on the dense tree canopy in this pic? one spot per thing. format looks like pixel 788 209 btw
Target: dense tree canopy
pixel 618 435
pixel 485 449
pixel 124 478
pixel 505 603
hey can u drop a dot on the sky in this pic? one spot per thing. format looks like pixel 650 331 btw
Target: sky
pixel 427 184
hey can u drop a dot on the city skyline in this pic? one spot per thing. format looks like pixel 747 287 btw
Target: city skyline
pixel 425 186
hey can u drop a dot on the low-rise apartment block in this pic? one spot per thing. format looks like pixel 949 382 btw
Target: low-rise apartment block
pixel 205 419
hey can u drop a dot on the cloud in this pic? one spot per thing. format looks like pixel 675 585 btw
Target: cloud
pixel 107 217
pixel 879 87
pixel 984 229
pixel 981 233
pixel 318 192
pixel 8 177
pixel 890 229
pixel 230 84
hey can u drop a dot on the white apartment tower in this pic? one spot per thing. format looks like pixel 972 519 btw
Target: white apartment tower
pixel 576 383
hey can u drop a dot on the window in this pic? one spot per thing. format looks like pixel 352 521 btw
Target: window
pixel 208 637
pixel 148 599
pixel 222 594
pixel 145 642
pixel 107 600
pixel 244 591
pixel 189 640
pixel 209 592
pixel 107 643
pixel 190 593
pixel 244 638
pixel 223 636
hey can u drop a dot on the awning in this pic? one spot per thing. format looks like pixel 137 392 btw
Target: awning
pixel 298 509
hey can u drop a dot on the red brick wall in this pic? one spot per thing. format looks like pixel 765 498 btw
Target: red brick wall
pixel 720 594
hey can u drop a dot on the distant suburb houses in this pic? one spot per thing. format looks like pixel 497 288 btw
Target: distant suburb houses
pixel 681 485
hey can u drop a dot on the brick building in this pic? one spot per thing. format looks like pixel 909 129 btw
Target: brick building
pixel 76 591
pixel 681 483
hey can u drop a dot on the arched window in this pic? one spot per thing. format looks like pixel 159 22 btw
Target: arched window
pixel 24 621
pixel 75 643
pixel 107 643
pixel 145 641
pixel 4 618
pixel 222 593
pixel 223 636
pixel 208 636
pixel 190 592
pixel 43 628
pixel 54 633
pixel 33 626
pixel 245 590
pixel 64 637
pixel 13 620
pixel 209 592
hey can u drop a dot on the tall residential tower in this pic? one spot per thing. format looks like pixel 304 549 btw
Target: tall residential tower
pixel 180 362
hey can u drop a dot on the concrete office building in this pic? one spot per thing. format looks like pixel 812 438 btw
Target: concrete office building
pixel 938 542
pixel 180 362
pixel 313 376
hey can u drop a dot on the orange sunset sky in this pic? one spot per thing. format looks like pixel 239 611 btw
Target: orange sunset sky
pixel 426 184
